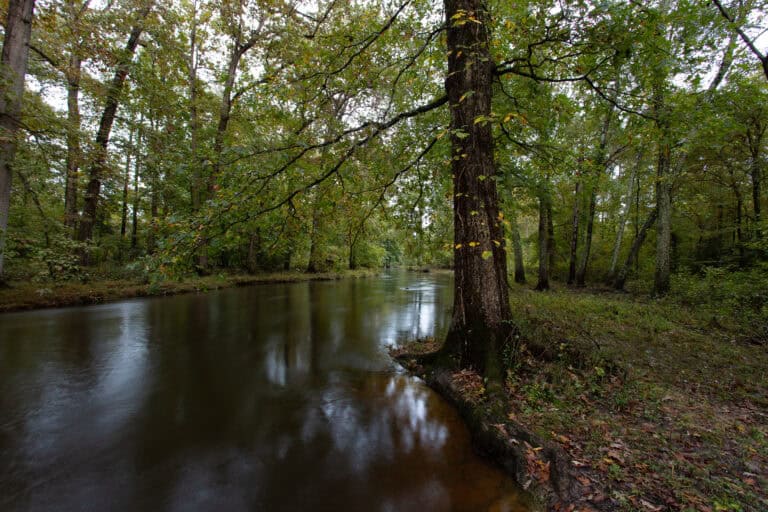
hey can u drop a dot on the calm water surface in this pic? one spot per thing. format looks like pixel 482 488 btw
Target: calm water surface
pixel 269 398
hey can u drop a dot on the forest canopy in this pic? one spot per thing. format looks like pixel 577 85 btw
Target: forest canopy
pixel 172 137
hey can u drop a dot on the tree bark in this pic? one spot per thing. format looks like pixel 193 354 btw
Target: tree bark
pixel 74 152
pixel 98 164
pixel 581 274
pixel 13 68
pixel 574 233
pixel 481 331
pixel 517 247
pixel 621 277
pixel 623 220
pixel 126 182
pixel 599 164
pixel 543 282
pixel 313 266
pixel 136 196
pixel 755 136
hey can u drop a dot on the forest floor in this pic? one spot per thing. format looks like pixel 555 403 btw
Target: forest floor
pixel 23 296
pixel 652 405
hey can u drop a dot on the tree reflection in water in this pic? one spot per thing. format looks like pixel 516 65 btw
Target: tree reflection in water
pixel 275 398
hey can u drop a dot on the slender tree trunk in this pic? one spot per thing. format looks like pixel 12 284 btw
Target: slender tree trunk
pixel 225 111
pixel 314 252
pixel 634 251
pixel 581 274
pixel 252 262
pixel 193 117
pixel 623 220
pixel 126 183
pixel 543 282
pixel 13 68
pixel 352 257
pixel 74 152
pixel 574 233
pixel 98 164
pixel 136 195
pixel 661 281
pixel 517 247
pixel 755 173
pixel 664 224
pixel 154 203
pixel 551 246
pixel 481 330
pixel 599 164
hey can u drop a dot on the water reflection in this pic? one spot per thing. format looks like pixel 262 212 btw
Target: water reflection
pixel 266 398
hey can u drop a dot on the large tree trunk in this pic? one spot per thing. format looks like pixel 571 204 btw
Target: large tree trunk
pixel 98 163
pixel 13 68
pixel 574 233
pixel 543 282
pixel 621 277
pixel 74 152
pixel 481 328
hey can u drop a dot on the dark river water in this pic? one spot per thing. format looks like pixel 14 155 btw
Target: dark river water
pixel 268 398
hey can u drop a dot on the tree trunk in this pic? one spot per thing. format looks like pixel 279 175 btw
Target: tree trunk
pixel 551 246
pixel 621 277
pixel 599 164
pixel 623 221
pixel 126 181
pixel 581 274
pixel 314 253
pixel 517 247
pixel 13 68
pixel 543 282
pixel 98 163
pixel 481 331
pixel 136 196
pixel 74 152
pixel 664 225
pixel 663 179
pixel 755 140
pixel 254 244
pixel 574 233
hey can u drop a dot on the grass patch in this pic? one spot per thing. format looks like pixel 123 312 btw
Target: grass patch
pixel 666 409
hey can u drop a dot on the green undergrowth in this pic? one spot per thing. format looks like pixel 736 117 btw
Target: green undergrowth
pixel 33 295
pixel 666 408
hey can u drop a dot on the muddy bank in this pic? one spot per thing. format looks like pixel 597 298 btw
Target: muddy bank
pixel 542 468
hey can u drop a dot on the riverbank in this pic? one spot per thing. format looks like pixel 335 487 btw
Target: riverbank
pixel 25 296
pixel 622 403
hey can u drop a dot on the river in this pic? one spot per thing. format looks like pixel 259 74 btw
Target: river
pixel 268 398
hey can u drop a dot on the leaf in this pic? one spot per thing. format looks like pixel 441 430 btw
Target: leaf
pixel 466 95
